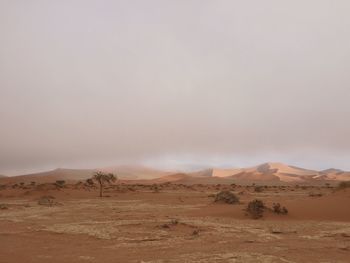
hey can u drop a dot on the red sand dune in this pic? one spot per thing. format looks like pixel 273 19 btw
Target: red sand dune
pixel 275 173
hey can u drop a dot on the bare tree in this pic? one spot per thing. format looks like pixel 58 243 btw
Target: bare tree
pixel 103 178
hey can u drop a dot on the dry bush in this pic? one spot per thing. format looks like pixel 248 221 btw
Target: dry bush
pixel 90 182
pixel 174 221
pixel 195 232
pixel 343 185
pixel 3 207
pixel 278 209
pixel 165 226
pixel 226 197
pixel 315 194
pixel 60 183
pixel 47 200
pixel 258 189
pixel 155 188
pixel 255 209
pixel 131 188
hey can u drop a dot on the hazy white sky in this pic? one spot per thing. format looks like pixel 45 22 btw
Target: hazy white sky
pixel 174 83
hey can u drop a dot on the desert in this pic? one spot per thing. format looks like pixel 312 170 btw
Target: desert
pixel 169 131
pixel 174 218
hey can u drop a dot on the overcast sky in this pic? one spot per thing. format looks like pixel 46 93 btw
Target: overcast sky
pixel 174 83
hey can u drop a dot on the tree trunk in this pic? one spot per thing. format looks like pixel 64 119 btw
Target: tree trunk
pixel 100 190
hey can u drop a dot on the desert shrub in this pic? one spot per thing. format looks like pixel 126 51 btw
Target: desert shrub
pixel 258 189
pixel 33 183
pixel 226 197
pixel 131 188
pixel 3 207
pixel 90 182
pixel 174 221
pixel 155 188
pixel 278 209
pixel 195 232
pixel 60 183
pixel 255 209
pixel 47 200
pixel 343 185
pixel 315 194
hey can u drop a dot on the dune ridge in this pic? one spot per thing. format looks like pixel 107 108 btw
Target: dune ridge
pixel 267 172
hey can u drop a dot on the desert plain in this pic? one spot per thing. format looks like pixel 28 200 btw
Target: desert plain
pixel 172 221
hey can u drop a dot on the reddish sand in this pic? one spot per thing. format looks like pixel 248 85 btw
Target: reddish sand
pixel 172 223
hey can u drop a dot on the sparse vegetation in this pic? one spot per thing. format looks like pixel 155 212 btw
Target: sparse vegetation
pixel 255 209
pixel 3 207
pixel 47 200
pixel 90 182
pixel 60 183
pixel 103 178
pixel 226 197
pixel 195 232
pixel 165 226
pixel 343 185
pixel 174 221
pixel 278 209
pixel 258 189
pixel 315 194
pixel 155 188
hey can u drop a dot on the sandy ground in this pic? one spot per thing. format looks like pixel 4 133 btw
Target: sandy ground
pixel 176 224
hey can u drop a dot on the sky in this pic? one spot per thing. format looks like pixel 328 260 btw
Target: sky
pixel 174 83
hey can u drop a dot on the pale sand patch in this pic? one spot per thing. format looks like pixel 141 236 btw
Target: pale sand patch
pixel 230 257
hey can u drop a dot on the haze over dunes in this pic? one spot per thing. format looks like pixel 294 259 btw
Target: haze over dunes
pixel 172 131
pixel 223 84
pixel 124 172
pixel 267 172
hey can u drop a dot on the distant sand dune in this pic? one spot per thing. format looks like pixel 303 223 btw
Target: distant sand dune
pixel 267 173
